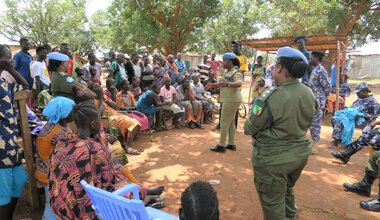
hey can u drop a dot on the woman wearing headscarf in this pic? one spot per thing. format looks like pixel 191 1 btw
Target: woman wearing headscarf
pixel 278 123
pixel 172 69
pixel 83 156
pixel 230 97
pixel 57 112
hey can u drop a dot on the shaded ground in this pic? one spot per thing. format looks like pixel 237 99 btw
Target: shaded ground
pixel 176 158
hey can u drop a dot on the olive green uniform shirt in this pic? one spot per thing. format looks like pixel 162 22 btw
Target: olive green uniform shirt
pixel 62 85
pixel 229 94
pixel 278 123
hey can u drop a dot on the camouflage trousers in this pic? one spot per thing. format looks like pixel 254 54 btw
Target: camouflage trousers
pixel 315 128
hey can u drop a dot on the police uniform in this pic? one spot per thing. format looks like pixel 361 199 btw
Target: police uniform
pixel 230 99
pixel 369 137
pixel 366 106
pixel 61 83
pixel 278 123
pixel 372 170
pixel 320 85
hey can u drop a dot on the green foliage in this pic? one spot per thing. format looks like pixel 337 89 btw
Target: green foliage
pixel 232 20
pixel 312 17
pixel 155 25
pixel 47 21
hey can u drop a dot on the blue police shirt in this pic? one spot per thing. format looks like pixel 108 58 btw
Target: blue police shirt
pixel 22 65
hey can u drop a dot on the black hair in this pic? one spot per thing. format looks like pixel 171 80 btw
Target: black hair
pixel 23 40
pixel 260 57
pixel 155 86
pixel 236 62
pixel 134 54
pixel 135 78
pixel 53 65
pixel 122 82
pixel 64 44
pixel 90 54
pixel 199 202
pixel 47 47
pixel 2 47
pixel 109 81
pixel 296 67
pixel 84 113
pixel 318 54
pixel 39 49
pixel 78 71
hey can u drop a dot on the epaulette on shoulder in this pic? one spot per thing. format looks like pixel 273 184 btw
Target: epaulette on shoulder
pixel 267 93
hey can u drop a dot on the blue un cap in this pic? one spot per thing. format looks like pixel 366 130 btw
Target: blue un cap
pixel 291 53
pixel 229 56
pixel 58 56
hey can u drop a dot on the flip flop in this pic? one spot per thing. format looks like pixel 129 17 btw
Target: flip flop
pixel 132 151
pixel 157 205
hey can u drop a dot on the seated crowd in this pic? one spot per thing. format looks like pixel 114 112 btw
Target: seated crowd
pixel 91 126
pixel 90 129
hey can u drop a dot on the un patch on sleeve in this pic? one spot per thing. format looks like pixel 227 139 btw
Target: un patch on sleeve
pixel 69 79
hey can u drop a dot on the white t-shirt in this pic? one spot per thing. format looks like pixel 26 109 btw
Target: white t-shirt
pixel 97 66
pixel 137 69
pixel 123 74
pixel 39 69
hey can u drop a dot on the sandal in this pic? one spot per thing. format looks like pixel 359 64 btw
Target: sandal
pixel 132 151
pixel 191 125
pixel 157 205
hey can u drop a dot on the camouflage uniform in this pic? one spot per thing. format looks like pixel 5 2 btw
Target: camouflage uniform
pixel 367 106
pixel 321 87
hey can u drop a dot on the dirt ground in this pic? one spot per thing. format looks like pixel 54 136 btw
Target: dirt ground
pixel 175 158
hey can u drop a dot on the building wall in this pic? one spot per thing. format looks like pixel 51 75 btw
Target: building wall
pixel 365 67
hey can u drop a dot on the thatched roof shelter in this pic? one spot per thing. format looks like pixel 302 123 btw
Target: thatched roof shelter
pixel 317 42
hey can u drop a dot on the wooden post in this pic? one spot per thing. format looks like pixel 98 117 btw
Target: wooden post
pixel 251 81
pixel 266 59
pixel 337 77
pixel 20 98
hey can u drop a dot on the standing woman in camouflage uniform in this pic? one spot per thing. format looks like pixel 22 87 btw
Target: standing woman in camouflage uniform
pixel 278 123
pixel 321 87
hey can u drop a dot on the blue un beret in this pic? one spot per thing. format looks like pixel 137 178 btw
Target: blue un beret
pixel 58 56
pixel 291 53
pixel 229 56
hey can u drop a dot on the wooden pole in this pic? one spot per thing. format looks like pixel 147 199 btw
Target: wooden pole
pixel 252 80
pixel 20 98
pixel 337 77
pixel 266 59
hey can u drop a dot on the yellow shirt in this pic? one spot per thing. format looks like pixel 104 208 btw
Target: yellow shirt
pixel 243 62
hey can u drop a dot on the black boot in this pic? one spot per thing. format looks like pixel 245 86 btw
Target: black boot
pixel 218 148
pixel 373 204
pixel 346 154
pixel 363 187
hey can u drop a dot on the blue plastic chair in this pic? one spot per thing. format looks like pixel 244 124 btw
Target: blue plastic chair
pixel 113 206
pixel 48 212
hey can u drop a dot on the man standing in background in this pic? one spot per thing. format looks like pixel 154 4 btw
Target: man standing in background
pixel 236 47
pixel 21 62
